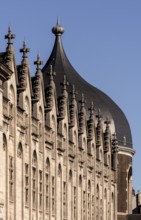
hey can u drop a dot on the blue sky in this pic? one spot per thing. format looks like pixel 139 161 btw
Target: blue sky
pixel 102 40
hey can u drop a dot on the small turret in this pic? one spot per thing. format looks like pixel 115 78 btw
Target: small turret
pixel 72 106
pixel 91 123
pixel 62 104
pixel 9 49
pixel 107 136
pixel 37 80
pixel 82 114
pixel 23 68
pixel 50 90
pixel 99 129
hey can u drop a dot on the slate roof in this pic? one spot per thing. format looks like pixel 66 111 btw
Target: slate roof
pixel 108 107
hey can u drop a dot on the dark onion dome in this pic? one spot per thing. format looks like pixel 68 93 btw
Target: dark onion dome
pixel 61 66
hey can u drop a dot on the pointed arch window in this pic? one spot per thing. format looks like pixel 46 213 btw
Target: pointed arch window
pixel 89 200
pixel 19 151
pixel 34 179
pixel 4 142
pixel 11 178
pixel 47 185
pixel 11 110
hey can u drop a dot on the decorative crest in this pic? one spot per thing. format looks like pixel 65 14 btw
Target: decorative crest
pixel 10 36
pixel 38 62
pixel 24 50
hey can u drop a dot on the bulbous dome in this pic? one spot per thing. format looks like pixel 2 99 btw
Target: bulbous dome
pixel 109 109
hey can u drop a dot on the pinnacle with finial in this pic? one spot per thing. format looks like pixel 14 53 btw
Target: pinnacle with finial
pixel 38 62
pixel 64 83
pixel 82 101
pixel 99 116
pixel 91 109
pixel 107 122
pixel 10 36
pixel 51 73
pixel 24 50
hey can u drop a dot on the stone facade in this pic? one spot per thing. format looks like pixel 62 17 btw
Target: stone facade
pixel 57 162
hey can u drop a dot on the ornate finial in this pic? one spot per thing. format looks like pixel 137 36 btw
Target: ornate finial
pixel 58 30
pixel 91 109
pixel 64 83
pixel 82 101
pixel 91 122
pixel 107 122
pixel 74 92
pixel 24 50
pixel 99 116
pixel 10 36
pixel 38 62
pixel 51 73
pixel 115 141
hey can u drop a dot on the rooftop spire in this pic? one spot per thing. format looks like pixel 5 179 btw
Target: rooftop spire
pixel 24 50
pixel 58 30
pixel 38 62
pixel 9 36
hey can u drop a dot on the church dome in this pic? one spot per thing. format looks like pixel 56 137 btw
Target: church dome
pixel 109 109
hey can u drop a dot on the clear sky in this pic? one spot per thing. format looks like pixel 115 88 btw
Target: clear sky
pixel 102 40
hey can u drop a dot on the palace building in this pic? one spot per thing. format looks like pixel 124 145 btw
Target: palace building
pixel 66 147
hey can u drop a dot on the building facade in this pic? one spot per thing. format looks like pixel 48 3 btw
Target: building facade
pixel 66 147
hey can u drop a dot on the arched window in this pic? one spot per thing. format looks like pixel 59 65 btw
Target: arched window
pixel 70 175
pixel 105 204
pixel 11 111
pixel 80 180
pixel 59 170
pixel 34 179
pixel 41 130
pixel 4 142
pixel 19 151
pixel 89 200
pixel 47 183
pixel 27 120
pixel 97 202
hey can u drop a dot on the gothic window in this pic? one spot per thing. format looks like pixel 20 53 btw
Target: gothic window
pixel 97 202
pixel 70 175
pixel 53 195
pixel 34 179
pixel 112 207
pixel 19 151
pixel 92 206
pixel 40 130
pixel 11 178
pixel 26 184
pixel 27 122
pixel 4 142
pixel 64 201
pixel 80 180
pixel 59 170
pixel 105 204
pixel 11 111
pixel 75 202
pixel 84 205
pixel 47 181
pixel 40 189
pixel 89 200
pixel 53 128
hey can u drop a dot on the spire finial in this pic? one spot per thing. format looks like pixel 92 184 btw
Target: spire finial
pixel 38 62
pixel 58 30
pixel 24 50
pixel 65 83
pixel 10 36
